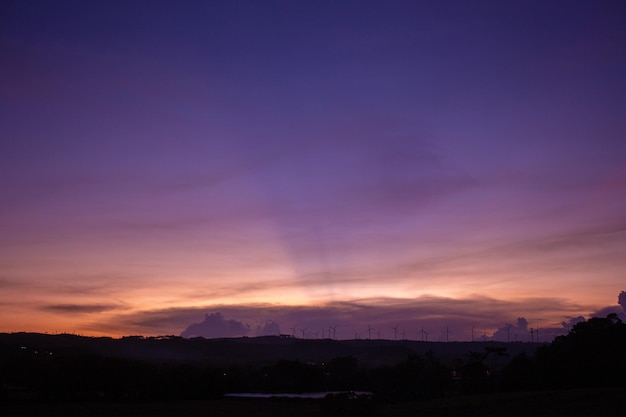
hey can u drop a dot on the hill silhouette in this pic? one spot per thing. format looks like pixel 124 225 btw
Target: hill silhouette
pixel 243 350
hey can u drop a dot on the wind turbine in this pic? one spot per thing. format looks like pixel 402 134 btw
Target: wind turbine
pixel 369 331
pixel 424 333
pixel 447 333
pixel 293 331
pixel 378 333
pixel 303 330
pixel 537 333
pixel 403 334
pixel 334 331
pixel 395 332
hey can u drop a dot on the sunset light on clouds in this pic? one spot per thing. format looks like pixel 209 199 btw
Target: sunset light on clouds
pixel 311 164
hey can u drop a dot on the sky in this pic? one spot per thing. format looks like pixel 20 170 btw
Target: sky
pixel 450 169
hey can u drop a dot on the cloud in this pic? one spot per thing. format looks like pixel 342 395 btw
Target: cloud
pixel 541 333
pixel 603 312
pixel 351 317
pixel 79 308
pixel 269 328
pixel 215 325
pixel 619 309
pixel 512 332
pixel 567 325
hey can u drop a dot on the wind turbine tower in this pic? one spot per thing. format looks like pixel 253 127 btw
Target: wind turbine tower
pixel 447 333
pixel 537 333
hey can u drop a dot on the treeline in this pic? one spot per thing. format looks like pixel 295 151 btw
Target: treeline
pixel 591 355
pixel 93 377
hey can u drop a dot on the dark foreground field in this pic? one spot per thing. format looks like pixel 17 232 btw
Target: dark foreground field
pixel 573 403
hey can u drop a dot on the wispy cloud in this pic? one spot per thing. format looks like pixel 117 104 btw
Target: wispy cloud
pixel 79 308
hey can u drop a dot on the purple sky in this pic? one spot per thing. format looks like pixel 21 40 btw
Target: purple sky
pixel 309 164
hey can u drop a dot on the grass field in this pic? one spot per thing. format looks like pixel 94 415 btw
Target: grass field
pixel 574 403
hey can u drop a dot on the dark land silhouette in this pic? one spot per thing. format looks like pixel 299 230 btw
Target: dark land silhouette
pixel 53 372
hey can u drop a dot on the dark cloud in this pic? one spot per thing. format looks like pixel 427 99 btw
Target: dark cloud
pixel 349 318
pixel 619 309
pixel 153 322
pixel 521 331
pixel 215 325
pixel 512 332
pixel 79 308
pixel 269 328
pixel 603 312
pixel 567 325
pixel 547 333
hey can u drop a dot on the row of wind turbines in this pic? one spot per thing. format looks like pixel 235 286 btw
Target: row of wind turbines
pixel 331 333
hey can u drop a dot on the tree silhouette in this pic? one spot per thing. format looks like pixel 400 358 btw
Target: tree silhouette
pixel 591 355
